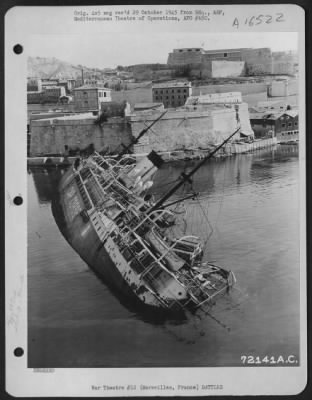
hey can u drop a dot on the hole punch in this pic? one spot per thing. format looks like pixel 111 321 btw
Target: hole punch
pixel 18 49
pixel 18 200
pixel 18 352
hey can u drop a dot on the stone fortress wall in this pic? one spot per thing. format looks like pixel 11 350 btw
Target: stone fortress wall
pixel 203 63
pixel 50 136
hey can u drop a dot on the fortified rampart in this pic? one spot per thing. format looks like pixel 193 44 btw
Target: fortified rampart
pixel 185 56
pixel 190 127
pixel 201 62
pixel 64 135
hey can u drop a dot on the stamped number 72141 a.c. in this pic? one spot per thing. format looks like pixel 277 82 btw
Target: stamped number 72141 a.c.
pixel 272 360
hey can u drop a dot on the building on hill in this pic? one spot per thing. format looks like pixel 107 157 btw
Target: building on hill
pixel 89 98
pixel 256 61
pixel 186 56
pixel 171 94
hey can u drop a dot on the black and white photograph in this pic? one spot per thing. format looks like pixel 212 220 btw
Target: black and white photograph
pixel 161 200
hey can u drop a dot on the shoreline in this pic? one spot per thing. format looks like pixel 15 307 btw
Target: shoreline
pixel 171 156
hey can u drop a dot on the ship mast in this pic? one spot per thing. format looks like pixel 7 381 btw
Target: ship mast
pixel 135 140
pixel 186 177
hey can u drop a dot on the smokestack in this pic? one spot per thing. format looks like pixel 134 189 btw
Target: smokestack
pixel 82 79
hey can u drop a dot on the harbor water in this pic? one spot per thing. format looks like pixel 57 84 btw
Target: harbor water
pixel 247 214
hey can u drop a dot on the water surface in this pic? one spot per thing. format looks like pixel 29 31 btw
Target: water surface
pixel 248 215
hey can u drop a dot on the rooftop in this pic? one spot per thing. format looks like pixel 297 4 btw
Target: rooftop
pixel 88 87
pixel 171 85
pixel 54 87
pixel 228 97
pixel 34 91
pixel 270 103
pixel 147 105
pixel 88 115
pixel 273 115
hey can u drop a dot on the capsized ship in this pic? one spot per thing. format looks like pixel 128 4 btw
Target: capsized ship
pixel 125 238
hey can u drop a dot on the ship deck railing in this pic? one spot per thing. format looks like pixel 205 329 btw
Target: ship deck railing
pixel 197 292
pixel 113 186
pixel 154 257
pixel 126 159
pixel 148 222
pixel 185 240
pixel 124 165
pixel 87 201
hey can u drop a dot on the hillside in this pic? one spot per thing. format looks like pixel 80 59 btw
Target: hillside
pixel 42 67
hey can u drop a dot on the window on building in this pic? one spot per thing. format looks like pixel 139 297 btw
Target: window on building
pixel 156 92
pixel 178 90
pixel 296 123
pixel 225 54
pixel 284 125
pixel 86 101
pixel 85 93
pixel 167 97
pixel 289 124
pixel 185 90
pixel 104 94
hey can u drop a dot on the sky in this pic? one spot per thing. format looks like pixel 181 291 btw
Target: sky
pixel 133 48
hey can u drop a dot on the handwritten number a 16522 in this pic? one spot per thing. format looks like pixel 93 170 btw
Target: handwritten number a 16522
pixel 260 19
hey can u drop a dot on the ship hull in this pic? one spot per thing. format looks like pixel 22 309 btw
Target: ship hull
pixel 83 238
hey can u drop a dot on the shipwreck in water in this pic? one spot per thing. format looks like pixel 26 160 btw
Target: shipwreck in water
pixel 124 236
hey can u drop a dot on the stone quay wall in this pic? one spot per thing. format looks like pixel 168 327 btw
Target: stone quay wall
pixel 60 135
